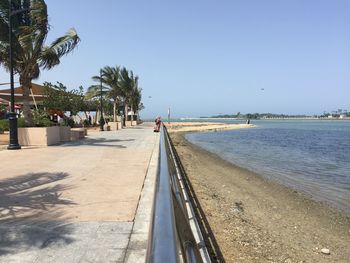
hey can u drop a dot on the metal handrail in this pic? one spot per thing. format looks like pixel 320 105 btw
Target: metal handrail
pixel 174 233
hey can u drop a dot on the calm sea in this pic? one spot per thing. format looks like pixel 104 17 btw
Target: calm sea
pixel 309 156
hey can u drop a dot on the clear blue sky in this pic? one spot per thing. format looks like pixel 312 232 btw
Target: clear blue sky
pixel 203 58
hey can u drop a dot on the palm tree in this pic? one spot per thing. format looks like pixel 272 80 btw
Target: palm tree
pixel 110 77
pixel 30 29
pixel 128 83
pixel 136 97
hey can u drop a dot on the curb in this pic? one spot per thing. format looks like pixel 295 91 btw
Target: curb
pixel 137 247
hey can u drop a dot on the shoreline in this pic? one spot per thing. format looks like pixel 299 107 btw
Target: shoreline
pixel 255 219
pixel 204 126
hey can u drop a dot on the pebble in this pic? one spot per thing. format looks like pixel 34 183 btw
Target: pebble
pixel 5 212
pixel 236 210
pixel 325 251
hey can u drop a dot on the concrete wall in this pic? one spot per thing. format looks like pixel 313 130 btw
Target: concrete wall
pixel 39 136
pixel 77 133
pixel 129 124
pixel 64 133
pixel 115 125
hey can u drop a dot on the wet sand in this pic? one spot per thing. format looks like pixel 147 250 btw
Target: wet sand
pixel 257 220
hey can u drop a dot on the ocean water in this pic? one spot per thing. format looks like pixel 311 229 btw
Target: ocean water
pixel 310 156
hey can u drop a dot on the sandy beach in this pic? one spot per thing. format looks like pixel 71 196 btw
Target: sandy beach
pixel 176 127
pixel 257 220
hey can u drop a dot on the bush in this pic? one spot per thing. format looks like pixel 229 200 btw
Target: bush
pixel 21 122
pixel 2 111
pixel 4 125
pixel 1 131
pixel 41 119
pixel 86 122
pixel 69 122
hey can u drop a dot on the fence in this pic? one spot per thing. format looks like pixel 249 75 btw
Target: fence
pixel 175 235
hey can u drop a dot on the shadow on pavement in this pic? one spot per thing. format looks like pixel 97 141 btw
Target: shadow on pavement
pixel 105 142
pixel 27 233
pixel 138 127
pixel 24 219
pixel 31 191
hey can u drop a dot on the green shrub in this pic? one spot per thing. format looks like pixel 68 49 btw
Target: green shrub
pixel 41 119
pixel 86 122
pixel 69 122
pixel 21 122
pixel 1 131
pixel 2 111
pixel 4 125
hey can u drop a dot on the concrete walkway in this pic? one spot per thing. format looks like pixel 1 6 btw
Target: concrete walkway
pixel 80 201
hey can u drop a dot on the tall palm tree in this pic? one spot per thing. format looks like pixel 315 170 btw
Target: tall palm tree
pixel 30 29
pixel 94 93
pixel 127 83
pixel 136 96
pixel 110 77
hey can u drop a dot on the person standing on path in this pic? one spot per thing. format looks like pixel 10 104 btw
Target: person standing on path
pixel 157 126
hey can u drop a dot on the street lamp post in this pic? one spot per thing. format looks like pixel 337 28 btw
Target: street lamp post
pixel 13 144
pixel 102 121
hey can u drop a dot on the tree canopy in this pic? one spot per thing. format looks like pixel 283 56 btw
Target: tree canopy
pixel 30 53
pixel 119 85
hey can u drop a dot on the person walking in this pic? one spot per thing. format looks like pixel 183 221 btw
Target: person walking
pixel 157 122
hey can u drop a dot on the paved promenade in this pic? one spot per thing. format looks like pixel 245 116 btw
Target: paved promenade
pixel 79 201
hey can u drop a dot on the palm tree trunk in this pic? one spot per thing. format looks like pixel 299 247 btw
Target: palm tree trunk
pixel 126 113
pixel 114 111
pixel 26 84
pixel 131 116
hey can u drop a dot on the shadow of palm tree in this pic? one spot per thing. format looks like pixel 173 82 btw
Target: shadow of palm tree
pixel 24 219
pixel 29 233
pixel 31 191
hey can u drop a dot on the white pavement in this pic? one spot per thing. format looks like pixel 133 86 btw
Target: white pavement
pixel 77 202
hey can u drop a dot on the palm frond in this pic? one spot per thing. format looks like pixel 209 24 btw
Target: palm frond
pixel 65 44
pixel 51 55
pixel 4 29
pixel 48 57
pixel 94 91
pixel 39 26
pixel 110 76
pixel 97 78
pixel 4 54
